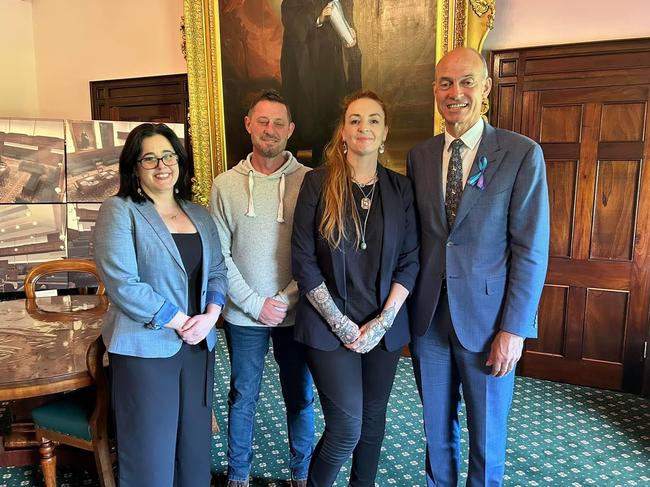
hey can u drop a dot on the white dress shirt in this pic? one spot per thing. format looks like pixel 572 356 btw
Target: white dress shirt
pixel 471 140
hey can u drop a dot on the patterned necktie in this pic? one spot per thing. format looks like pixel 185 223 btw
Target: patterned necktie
pixel 454 182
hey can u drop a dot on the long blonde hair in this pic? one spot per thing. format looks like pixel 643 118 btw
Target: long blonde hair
pixel 337 188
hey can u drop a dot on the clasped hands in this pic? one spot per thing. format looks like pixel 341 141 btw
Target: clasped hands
pixel 193 329
pixel 365 338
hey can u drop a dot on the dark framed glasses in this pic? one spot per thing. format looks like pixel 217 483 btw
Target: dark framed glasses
pixel 151 162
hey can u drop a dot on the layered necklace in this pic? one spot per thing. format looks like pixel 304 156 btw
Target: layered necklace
pixel 366 204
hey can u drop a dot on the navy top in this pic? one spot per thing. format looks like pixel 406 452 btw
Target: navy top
pixel 189 246
pixel 362 266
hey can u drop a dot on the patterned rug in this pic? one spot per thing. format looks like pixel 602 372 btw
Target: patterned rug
pixel 559 435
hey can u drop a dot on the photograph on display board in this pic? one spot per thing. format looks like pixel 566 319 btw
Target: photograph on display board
pixel 79 237
pixel 317 51
pixel 29 235
pixel 81 225
pixel 32 161
pixel 93 171
pixel 83 135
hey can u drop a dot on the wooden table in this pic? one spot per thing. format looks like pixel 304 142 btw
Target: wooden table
pixel 43 345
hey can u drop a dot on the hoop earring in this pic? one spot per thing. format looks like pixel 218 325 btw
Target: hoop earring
pixel 345 147
pixel 382 148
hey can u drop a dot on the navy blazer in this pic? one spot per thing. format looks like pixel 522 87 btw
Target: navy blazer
pixel 314 261
pixel 145 278
pixel 494 258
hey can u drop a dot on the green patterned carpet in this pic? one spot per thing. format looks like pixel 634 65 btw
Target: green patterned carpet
pixel 559 435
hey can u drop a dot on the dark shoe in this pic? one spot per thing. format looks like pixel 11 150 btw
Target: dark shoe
pixel 240 483
pixel 299 483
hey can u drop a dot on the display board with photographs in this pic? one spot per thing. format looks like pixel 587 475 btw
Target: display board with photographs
pixel 54 175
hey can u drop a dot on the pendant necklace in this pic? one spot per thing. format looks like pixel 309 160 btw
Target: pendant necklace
pixel 366 203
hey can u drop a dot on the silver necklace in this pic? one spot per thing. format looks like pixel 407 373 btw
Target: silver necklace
pixel 366 203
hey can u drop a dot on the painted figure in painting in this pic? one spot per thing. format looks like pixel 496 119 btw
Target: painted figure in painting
pixel 483 204
pixel 319 67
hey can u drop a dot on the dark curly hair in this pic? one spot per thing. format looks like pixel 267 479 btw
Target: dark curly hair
pixel 130 154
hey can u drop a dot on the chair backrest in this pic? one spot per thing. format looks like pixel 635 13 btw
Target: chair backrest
pixel 63 265
pixel 95 364
pixel 100 423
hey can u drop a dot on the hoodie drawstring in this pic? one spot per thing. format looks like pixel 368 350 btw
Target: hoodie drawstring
pixel 280 218
pixel 251 185
pixel 251 203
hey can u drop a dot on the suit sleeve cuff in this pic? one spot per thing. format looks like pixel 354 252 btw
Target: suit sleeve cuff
pixel 164 315
pixel 215 297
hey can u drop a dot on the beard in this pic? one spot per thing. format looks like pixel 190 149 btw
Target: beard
pixel 270 151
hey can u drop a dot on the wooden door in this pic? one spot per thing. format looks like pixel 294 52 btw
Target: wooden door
pixel 593 316
pixel 152 99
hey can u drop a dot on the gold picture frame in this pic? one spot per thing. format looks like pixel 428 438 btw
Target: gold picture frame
pixel 458 23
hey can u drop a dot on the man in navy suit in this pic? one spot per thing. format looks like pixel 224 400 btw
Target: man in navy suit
pixel 484 218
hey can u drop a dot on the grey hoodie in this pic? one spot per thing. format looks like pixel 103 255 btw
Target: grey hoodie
pixel 254 216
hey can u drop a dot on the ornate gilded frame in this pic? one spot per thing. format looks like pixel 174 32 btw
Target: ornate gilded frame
pixel 458 23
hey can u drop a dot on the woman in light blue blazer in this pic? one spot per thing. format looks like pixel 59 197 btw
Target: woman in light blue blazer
pixel 160 259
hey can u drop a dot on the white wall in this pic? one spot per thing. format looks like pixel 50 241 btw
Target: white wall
pixel 51 49
pixel 77 41
pixel 18 91
pixel 524 23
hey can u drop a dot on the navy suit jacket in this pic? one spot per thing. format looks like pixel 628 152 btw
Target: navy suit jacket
pixel 145 277
pixel 495 257
pixel 314 261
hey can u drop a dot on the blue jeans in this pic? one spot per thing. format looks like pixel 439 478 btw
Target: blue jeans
pixel 247 347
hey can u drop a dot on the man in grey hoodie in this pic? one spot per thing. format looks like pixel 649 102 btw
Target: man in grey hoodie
pixel 253 205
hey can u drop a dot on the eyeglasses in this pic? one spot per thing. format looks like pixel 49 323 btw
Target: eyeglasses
pixel 151 162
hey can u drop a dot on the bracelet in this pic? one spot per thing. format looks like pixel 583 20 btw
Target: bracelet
pixel 382 322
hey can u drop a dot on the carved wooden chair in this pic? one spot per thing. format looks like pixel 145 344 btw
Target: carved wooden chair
pixel 78 419
pixel 58 266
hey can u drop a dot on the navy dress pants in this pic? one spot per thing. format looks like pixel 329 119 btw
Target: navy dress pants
pixel 163 418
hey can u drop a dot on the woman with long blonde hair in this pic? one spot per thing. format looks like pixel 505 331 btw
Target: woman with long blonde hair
pixel 355 257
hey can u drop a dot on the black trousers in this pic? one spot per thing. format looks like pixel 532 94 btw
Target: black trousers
pixel 163 418
pixel 354 390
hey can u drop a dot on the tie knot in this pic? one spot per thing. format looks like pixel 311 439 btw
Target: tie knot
pixel 456 145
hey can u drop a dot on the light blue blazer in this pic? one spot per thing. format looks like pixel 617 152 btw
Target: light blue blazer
pixel 145 278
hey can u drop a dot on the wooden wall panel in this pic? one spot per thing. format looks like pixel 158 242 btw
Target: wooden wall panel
pixel 561 176
pixel 622 122
pixel 614 210
pixel 586 62
pixel 163 113
pixel 506 105
pixel 561 123
pixel 605 310
pixel 552 321
pixel 587 104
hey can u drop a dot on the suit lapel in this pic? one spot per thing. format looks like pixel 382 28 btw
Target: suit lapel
pixel 434 176
pixel 391 209
pixel 148 211
pixel 489 148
